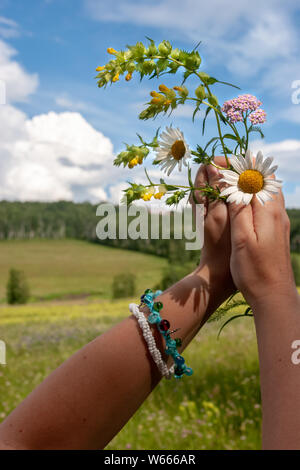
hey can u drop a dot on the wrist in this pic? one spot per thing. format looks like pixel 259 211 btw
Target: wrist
pixel 221 285
pixel 280 295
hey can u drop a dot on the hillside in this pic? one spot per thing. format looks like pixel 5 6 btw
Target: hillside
pixel 58 268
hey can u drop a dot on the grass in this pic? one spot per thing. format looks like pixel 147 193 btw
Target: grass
pixel 216 408
pixel 65 268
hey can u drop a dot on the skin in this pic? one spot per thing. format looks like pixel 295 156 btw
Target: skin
pixel 86 401
pixel 261 268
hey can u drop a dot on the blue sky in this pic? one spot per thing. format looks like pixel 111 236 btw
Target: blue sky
pixel 59 132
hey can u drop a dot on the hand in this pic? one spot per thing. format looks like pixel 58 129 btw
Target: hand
pixel 260 259
pixel 217 246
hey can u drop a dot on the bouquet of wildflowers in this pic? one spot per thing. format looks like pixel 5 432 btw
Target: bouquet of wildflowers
pixel 235 120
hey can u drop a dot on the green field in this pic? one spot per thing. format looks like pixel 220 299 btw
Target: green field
pixel 64 268
pixel 216 408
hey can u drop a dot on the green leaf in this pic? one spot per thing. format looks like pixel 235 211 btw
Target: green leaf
pixel 197 45
pixel 229 84
pixel 190 176
pixel 148 177
pixel 211 81
pixel 230 136
pixel 210 142
pixel 195 111
pixel 204 120
pixel 228 321
pixel 186 75
pixel 256 129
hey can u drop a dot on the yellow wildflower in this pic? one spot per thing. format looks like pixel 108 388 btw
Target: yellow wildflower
pixel 161 191
pixel 98 69
pixel 111 50
pixel 147 195
pixel 133 162
pixel 164 89
pixel 157 100
pixel 116 78
pixel 128 77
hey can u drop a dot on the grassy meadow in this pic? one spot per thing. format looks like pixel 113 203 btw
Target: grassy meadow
pixel 216 408
pixel 69 268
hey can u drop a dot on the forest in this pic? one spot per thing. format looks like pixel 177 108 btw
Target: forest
pixel 66 219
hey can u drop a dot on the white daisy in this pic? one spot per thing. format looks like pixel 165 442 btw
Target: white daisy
pixel 172 150
pixel 249 179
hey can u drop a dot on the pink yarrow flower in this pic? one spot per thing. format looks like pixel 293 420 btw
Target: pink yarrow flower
pixel 235 108
pixel 258 116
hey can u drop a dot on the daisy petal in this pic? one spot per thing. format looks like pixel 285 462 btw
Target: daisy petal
pixel 249 160
pixel 229 173
pixel 267 195
pixel 271 170
pixel 232 197
pixel 247 198
pixel 258 161
pixel 272 188
pixel 239 197
pixel 264 195
pixel 277 183
pixel 242 161
pixel 236 165
pixel 265 165
pixel 259 198
pixel 229 190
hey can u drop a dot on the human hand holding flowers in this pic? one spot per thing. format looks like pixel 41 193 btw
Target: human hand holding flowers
pixel 217 245
pixel 260 261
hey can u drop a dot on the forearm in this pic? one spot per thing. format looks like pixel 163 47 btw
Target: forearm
pixel 89 398
pixel 277 320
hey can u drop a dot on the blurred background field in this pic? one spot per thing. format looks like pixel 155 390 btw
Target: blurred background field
pixel 216 408
pixel 65 268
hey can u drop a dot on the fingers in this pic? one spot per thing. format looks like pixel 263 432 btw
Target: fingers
pixel 241 224
pixel 200 180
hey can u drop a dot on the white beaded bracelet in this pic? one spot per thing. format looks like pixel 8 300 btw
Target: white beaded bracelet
pixel 147 333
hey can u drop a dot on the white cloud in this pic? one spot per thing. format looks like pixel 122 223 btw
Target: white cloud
pixel 53 156
pixel 8 28
pixel 68 103
pixel 19 83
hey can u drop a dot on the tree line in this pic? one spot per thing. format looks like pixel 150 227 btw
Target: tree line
pixel 66 219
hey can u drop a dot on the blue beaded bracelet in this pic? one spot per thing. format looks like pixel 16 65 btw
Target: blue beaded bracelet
pixel 148 299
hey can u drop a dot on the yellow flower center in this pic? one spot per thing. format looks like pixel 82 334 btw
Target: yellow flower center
pixel 178 150
pixel 251 181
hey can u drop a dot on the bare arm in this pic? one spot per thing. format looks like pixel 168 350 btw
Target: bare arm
pixel 89 398
pixel 261 269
